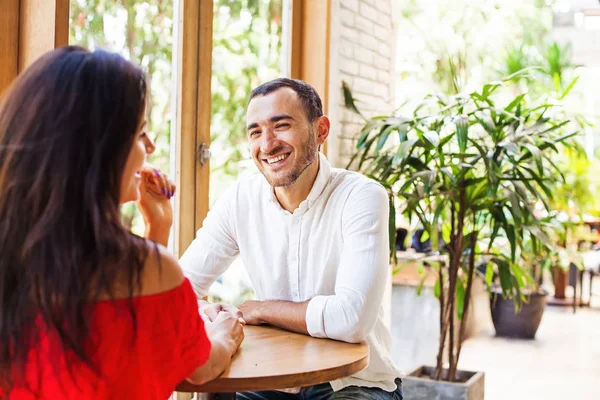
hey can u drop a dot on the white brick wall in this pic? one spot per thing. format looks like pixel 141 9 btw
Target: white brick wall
pixel 361 54
pixel 362 43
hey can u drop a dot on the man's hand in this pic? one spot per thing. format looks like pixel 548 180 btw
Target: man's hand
pixel 212 310
pixel 251 309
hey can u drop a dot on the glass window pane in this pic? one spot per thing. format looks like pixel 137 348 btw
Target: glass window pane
pixel 247 50
pixel 250 46
pixel 142 31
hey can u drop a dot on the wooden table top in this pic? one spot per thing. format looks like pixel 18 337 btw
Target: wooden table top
pixel 271 358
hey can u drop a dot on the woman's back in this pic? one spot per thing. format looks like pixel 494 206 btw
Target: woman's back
pixel 142 362
pixel 89 310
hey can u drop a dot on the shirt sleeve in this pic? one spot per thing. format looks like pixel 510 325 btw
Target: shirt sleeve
pixel 215 246
pixel 351 313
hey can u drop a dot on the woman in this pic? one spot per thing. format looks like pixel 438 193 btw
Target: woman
pixel 88 310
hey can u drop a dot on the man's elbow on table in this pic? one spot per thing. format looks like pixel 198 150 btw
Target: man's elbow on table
pixel 356 333
pixel 356 323
pixel 340 318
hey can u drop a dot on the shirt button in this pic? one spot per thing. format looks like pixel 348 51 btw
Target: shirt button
pixel 295 294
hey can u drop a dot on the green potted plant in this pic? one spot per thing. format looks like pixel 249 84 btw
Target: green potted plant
pixel 521 319
pixel 570 196
pixel 469 169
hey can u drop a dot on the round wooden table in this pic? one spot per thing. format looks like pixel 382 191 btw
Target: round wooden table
pixel 271 358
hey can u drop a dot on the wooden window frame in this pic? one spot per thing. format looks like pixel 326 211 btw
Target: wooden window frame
pixel 29 28
pixel 193 60
pixel 309 61
pixel 311 32
pixel 9 43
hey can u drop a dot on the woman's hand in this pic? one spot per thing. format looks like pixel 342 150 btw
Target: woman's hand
pixel 212 310
pixel 227 330
pixel 226 333
pixel 156 190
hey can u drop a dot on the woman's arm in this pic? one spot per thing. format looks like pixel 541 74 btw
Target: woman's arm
pixel 226 334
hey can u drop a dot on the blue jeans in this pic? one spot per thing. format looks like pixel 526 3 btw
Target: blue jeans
pixel 325 392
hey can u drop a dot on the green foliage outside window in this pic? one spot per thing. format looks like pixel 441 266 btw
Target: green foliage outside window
pixel 247 42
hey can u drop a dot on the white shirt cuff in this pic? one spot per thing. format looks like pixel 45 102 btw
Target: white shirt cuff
pixel 315 321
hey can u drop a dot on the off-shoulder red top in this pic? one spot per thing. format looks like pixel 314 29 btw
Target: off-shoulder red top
pixel 170 344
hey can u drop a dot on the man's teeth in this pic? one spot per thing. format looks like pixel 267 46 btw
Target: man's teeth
pixel 275 159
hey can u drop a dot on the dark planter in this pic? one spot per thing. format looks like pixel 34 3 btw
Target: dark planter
pixel 417 386
pixel 522 325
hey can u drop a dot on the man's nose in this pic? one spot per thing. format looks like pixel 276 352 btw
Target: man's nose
pixel 269 142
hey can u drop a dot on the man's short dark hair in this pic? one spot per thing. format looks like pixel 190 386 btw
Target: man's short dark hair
pixel 313 107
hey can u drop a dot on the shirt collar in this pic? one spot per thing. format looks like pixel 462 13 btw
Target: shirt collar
pixel 320 183
pixel 322 180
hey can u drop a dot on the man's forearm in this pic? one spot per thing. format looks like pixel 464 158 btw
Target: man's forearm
pixel 284 314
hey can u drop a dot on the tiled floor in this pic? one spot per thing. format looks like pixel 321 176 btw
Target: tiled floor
pixel 563 362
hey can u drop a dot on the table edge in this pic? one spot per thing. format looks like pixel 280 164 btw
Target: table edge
pixel 228 385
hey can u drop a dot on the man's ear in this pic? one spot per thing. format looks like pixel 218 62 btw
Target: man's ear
pixel 323 127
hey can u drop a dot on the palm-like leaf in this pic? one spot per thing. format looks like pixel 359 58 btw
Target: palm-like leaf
pixel 472 170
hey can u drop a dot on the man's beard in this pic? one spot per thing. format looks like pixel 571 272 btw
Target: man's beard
pixel 308 156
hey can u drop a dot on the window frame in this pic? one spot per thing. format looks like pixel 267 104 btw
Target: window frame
pixel 28 29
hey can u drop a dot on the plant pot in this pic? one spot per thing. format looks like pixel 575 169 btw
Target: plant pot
pixel 419 386
pixel 521 325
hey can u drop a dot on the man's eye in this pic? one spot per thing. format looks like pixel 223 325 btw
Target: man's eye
pixel 282 125
pixel 254 133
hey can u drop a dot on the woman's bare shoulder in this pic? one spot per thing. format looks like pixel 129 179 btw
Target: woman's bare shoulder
pixel 161 271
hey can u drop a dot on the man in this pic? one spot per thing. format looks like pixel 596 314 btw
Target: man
pixel 314 241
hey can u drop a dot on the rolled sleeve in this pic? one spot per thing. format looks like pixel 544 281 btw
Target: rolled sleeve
pixel 314 316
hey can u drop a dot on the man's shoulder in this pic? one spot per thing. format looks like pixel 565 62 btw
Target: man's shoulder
pixel 358 195
pixel 351 181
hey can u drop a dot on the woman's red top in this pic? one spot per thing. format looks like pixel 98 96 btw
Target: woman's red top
pixel 170 344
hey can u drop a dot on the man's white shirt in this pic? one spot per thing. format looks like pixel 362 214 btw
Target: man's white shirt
pixel 333 251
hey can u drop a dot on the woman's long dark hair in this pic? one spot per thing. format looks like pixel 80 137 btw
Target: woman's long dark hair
pixel 67 125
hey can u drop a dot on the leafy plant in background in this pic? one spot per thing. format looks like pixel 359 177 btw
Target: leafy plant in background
pixel 537 255
pixel 470 170
pixel 552 61
pixel 516 59
pixel 451 72
pixel 575 195
pixel 556 75
pixel 472 34
pixel 555 62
